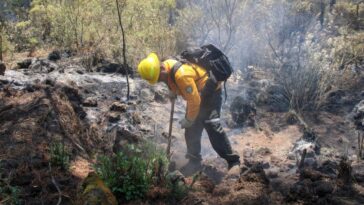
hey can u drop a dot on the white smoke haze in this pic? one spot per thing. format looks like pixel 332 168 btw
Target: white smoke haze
pixel 251 32
pixel 302 44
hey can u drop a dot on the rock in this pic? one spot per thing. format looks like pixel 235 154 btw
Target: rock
pixel 2 68
pixel 95 192
pixel 25 63
pixel 90 102
pixel 54 55
pixel 43 66
pixel 113 117
pixel 243 110
pixel 119 107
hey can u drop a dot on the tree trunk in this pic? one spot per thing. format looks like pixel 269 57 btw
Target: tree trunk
pixel 1 45
pixel 125 65
pixel 357 17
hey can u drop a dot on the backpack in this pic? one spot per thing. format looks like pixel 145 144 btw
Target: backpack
pixel 208 57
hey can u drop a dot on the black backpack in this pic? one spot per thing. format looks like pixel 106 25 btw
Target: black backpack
pixel 209 57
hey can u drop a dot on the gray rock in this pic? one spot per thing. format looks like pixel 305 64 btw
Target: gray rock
pixel 43 66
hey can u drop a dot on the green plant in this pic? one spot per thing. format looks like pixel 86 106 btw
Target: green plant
pixel 59 155
pixel 179 190
pixel 130 173
pixel 126 173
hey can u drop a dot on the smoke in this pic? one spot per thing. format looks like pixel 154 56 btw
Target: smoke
pixel 249 32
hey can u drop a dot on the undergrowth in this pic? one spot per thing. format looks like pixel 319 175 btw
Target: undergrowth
pixel 9 195
pixel 59 155
pixel 131 173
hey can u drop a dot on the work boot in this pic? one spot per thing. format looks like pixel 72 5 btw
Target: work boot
pixel 234 171
pixel 191 167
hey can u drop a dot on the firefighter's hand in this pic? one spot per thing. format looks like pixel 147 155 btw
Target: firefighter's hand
pixel 185 123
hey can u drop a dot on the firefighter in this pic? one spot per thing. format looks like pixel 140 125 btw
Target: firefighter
pixel 189 82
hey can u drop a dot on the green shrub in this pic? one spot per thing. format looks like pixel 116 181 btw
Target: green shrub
pixel 130 173
pixel 59 155
pixel 126 173
pixel 179 190
pixel 126 176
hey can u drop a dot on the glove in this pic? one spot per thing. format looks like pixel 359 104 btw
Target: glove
pixel 172 95
pixel 185 123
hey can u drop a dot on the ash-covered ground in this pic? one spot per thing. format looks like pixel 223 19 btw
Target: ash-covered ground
pixel 287 158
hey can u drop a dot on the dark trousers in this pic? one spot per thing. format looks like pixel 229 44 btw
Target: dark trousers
pixel 209 118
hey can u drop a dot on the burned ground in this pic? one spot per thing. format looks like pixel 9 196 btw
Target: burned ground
pixel 86 112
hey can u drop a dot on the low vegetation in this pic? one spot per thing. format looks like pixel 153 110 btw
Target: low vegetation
pixel 59 155
pixel 139 171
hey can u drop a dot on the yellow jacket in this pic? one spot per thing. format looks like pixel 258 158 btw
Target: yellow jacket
pixel 190 80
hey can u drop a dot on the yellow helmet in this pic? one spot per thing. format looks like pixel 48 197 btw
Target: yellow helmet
pixel 149 68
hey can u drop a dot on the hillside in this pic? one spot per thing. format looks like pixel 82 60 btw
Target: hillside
pixel 79 125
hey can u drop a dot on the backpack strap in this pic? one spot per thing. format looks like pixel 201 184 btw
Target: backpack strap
pixel 173 72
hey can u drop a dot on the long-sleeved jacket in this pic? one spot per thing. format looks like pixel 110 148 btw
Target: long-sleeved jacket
pixel 190 80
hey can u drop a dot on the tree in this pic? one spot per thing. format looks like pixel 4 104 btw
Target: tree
pixel 125 65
